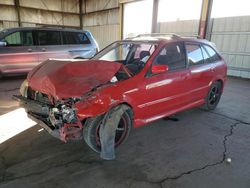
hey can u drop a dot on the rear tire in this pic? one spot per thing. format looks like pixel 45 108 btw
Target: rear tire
pixel 91 131
pixel 213 96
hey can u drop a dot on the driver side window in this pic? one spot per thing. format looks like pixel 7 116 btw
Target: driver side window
pixel 19 38
pixel 172 55
pixel 143 52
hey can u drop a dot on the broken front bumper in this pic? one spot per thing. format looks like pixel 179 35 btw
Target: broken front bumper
pixel 41 114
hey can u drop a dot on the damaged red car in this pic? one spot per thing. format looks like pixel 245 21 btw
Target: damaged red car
pixel 128 84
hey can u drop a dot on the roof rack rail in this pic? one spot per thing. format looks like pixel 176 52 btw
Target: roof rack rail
pixel 159 34
pixel 192 36
pixel 50 26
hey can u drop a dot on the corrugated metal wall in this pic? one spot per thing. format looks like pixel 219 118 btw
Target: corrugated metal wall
pixel 8 14
pixel 232 37
pixel 42 12
pixel 185 27
pixel 102 19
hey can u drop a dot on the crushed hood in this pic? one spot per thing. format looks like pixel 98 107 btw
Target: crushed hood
pixel 66 78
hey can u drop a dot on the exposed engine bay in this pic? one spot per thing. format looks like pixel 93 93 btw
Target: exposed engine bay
pixel 59 119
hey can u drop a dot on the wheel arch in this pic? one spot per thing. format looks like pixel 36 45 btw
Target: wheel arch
pixel 221 82
pixel 218 79
pixel 92 111
pixel 130 110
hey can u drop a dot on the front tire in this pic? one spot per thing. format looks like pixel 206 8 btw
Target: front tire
pixel 92 126
pixel 213 96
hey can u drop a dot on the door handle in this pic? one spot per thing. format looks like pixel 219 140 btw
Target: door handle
pixel 29 50
pixel 44 49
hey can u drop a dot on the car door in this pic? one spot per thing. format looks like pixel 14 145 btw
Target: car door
pixel 50 45
pixel 78 44
pixel 20 54
pixel 167 92
pixel 201 71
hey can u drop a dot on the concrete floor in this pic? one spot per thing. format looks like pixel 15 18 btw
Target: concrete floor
pixel 190 152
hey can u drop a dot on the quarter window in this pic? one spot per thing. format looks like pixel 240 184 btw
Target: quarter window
pixel 20 38
pixel 205 55
pixel 172 55
pixel 194 54
pixel 49 38
pixel 212 55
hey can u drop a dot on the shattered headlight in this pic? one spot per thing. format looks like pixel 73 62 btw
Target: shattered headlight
pixel 24 88
pixel 69 114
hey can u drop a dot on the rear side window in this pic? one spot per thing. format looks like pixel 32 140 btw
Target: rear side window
pixel 173 55
pixel 75 38
pixel 20 38
pixel 210 55
pixel 194 54
pixel 49 38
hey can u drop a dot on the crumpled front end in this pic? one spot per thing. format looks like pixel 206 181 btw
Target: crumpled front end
pixel 59 119
pixel 60 96
pixel 65 79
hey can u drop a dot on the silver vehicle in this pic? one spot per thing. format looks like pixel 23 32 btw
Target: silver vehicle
pixel 23 48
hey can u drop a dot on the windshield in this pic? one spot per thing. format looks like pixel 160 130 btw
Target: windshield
pixel 133 55
pixel 126 51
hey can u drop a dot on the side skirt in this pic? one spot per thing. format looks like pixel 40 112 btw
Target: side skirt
pixel 141 122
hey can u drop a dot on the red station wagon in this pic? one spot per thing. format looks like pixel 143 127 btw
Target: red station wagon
pixel 134 81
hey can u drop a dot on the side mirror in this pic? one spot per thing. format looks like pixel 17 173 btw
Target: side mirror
pixel 3 43
pixel 156 69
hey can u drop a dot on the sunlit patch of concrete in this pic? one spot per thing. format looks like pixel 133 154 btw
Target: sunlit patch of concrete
pixel 40 130
pixel 13 123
